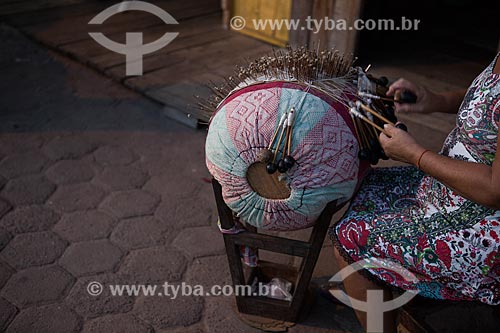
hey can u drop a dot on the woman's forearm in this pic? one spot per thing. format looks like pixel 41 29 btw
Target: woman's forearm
pixel 450 101
pixel 474 181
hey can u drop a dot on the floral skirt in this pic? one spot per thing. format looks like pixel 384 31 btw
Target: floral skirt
pixel 451 246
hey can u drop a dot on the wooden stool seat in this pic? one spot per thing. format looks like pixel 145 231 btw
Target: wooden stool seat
pixel 289 311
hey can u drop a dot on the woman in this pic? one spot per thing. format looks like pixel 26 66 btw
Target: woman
pixel 441 220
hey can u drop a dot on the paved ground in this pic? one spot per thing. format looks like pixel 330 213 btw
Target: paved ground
pixel 203 50
pixel 97 185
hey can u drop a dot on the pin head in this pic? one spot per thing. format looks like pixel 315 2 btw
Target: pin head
pixel 289 161
pixel 271 168
pixel 282 167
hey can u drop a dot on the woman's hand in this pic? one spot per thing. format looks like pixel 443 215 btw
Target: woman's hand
pixel 427 101
pixel 400 146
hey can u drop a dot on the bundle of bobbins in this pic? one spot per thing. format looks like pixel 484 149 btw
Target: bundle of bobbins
pixel 371 110
pixel 270 155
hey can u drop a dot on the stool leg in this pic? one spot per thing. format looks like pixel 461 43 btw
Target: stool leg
pixel 227 222
pixel 309 261
pixel 225 213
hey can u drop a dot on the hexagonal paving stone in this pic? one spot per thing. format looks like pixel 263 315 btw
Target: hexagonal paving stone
pixel 183 150
pixel 33 249
pixel 139 232
pixel 117 323
pixel 156 163
pixel 130 203
pixel 195 212
pixel 4 207
pixel 68 147
pixel 219 316
pixel 84 226
pixel 164 312
pixel 153 265
pixel 5 273
pixel 48 318
pixel 29 219
pixel 209 271
pixel 70 172
pixel 69 198
pixel 90 257
pixel 22 164
pixel 189 241
pixel 173 185
pixel 114 155
pixel 37 284
pixel 91 306
pixel 7 313
pixel 122 177
pixel 5 237
pixel 27 190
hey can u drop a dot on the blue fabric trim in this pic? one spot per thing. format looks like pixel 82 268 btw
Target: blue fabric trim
pixel 220 149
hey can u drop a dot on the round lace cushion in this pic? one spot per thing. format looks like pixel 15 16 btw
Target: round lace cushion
pixel 323 144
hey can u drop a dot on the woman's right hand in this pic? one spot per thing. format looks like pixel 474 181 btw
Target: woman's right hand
pixel 427 101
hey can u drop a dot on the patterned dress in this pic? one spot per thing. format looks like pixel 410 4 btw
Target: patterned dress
pixel 451 244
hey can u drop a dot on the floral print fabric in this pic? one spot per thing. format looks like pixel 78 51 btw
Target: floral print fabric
pixel 450 243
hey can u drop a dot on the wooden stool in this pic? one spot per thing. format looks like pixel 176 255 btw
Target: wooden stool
pixel 263 306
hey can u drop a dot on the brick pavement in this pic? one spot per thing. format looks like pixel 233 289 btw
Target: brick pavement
pixel 97 185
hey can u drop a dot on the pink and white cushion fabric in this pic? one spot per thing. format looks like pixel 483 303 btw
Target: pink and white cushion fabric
pixel 324 146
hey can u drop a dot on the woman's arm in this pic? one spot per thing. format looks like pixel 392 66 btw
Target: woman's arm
pixel 474 181
pixel 451 101
pixel 427 101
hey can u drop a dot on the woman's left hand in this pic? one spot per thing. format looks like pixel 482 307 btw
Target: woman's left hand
pixel 400 146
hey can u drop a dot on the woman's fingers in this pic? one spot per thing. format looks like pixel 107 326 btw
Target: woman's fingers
pixel 400 146
pixel 404 107
pixel 383 138
pixel 422 103
pixel 401 84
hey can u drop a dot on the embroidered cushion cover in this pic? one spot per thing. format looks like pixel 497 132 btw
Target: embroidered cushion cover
pixel 323 144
